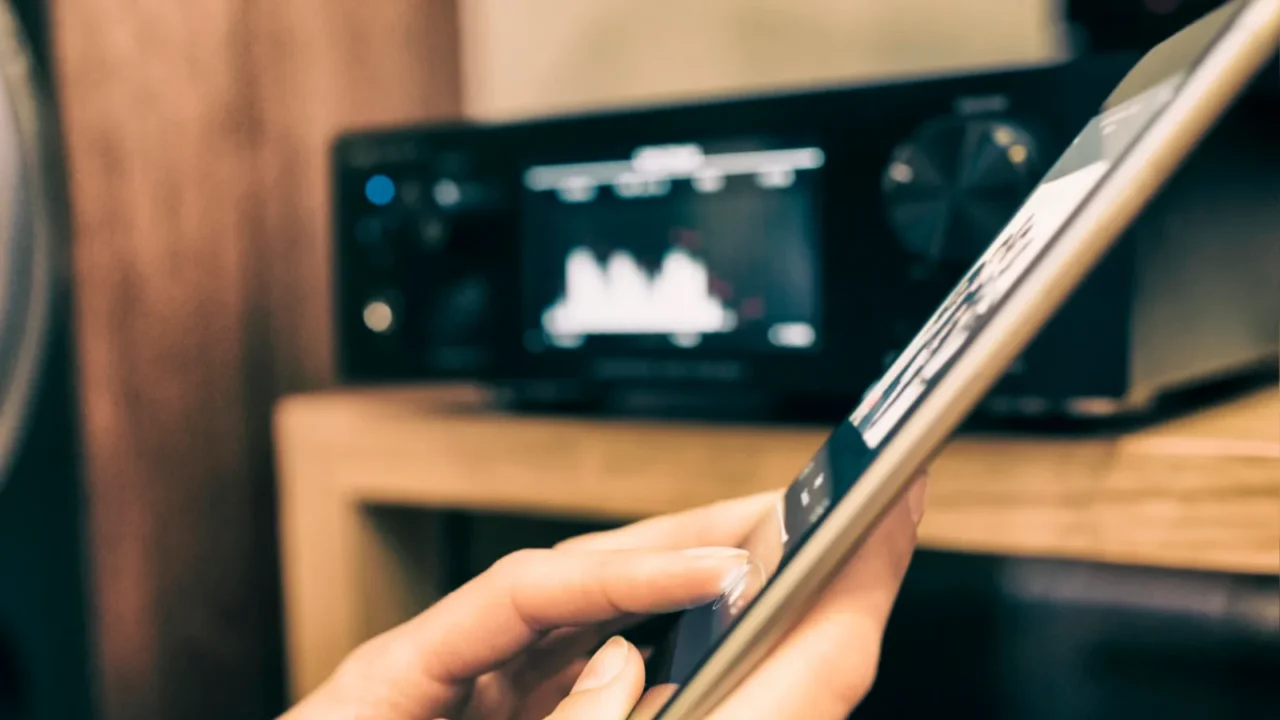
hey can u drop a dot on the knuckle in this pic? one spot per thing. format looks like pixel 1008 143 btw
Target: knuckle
pixel 608 588
pixel 517 563
pixel 521 558
pixel 576 541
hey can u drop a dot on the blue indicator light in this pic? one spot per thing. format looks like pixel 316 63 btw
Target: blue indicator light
pixel 380 190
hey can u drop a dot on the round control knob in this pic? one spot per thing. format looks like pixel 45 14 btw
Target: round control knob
pixel 952 186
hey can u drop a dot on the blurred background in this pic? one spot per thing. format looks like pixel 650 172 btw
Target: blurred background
pixel 522 59
pixel 235 440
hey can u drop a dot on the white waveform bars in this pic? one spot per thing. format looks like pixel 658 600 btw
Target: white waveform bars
pixel 620 298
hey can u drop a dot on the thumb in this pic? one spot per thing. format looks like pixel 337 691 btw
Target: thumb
pixel 608 687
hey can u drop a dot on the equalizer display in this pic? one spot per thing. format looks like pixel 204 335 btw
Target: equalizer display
pixel 679 247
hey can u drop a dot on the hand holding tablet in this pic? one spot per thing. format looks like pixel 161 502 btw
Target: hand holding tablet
pixel 1147 127
pixel 515 642
pixel 780 609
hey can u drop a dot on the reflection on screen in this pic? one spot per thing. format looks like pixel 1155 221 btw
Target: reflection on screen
pixel 853 445
pixel 969 305
pixel 1004 263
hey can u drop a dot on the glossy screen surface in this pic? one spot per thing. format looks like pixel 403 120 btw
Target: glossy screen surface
pixel 854 444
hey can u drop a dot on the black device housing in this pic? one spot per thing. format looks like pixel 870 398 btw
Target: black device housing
pixel 1182 300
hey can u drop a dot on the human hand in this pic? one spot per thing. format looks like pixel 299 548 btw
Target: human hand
pixel 512 643
pixel 823 668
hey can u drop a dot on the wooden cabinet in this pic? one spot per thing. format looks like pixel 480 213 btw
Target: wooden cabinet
pixel 1197 492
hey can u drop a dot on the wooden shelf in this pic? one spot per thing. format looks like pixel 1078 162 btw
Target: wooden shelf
pixel 1199 492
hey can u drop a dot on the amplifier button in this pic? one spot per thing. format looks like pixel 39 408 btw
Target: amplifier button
pixel 379 316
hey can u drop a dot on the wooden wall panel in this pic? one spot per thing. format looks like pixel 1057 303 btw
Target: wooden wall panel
pixel 528 57
pixel 196 134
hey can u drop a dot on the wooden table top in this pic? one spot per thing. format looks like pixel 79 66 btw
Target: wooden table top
pixel 1201 491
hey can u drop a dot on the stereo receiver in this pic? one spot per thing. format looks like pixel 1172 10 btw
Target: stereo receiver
pixel 780 248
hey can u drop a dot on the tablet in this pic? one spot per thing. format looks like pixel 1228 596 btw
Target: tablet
pixel 1144 130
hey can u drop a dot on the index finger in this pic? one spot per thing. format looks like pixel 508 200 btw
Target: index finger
pixel 723 523
pixel 510 606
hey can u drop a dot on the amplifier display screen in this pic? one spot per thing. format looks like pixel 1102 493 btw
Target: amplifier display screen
pixel 679 246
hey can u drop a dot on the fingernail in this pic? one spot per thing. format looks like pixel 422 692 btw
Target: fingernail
pixel 733 562
pixel 720 552
pixel 604 665
pixel 915 500
pixel 732 586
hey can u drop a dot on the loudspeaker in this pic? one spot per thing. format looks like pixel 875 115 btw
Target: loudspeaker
pixel 45 670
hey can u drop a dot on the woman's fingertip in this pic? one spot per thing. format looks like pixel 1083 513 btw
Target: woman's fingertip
pixel 733 578
pixel 731 563
pixel 609 686
pixel 604 666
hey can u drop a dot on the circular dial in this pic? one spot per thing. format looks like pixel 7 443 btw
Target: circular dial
pixel 952 186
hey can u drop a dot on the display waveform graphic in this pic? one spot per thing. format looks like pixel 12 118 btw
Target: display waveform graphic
pixel 621 298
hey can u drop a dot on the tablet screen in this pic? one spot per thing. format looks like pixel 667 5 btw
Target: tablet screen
pixel 851 448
